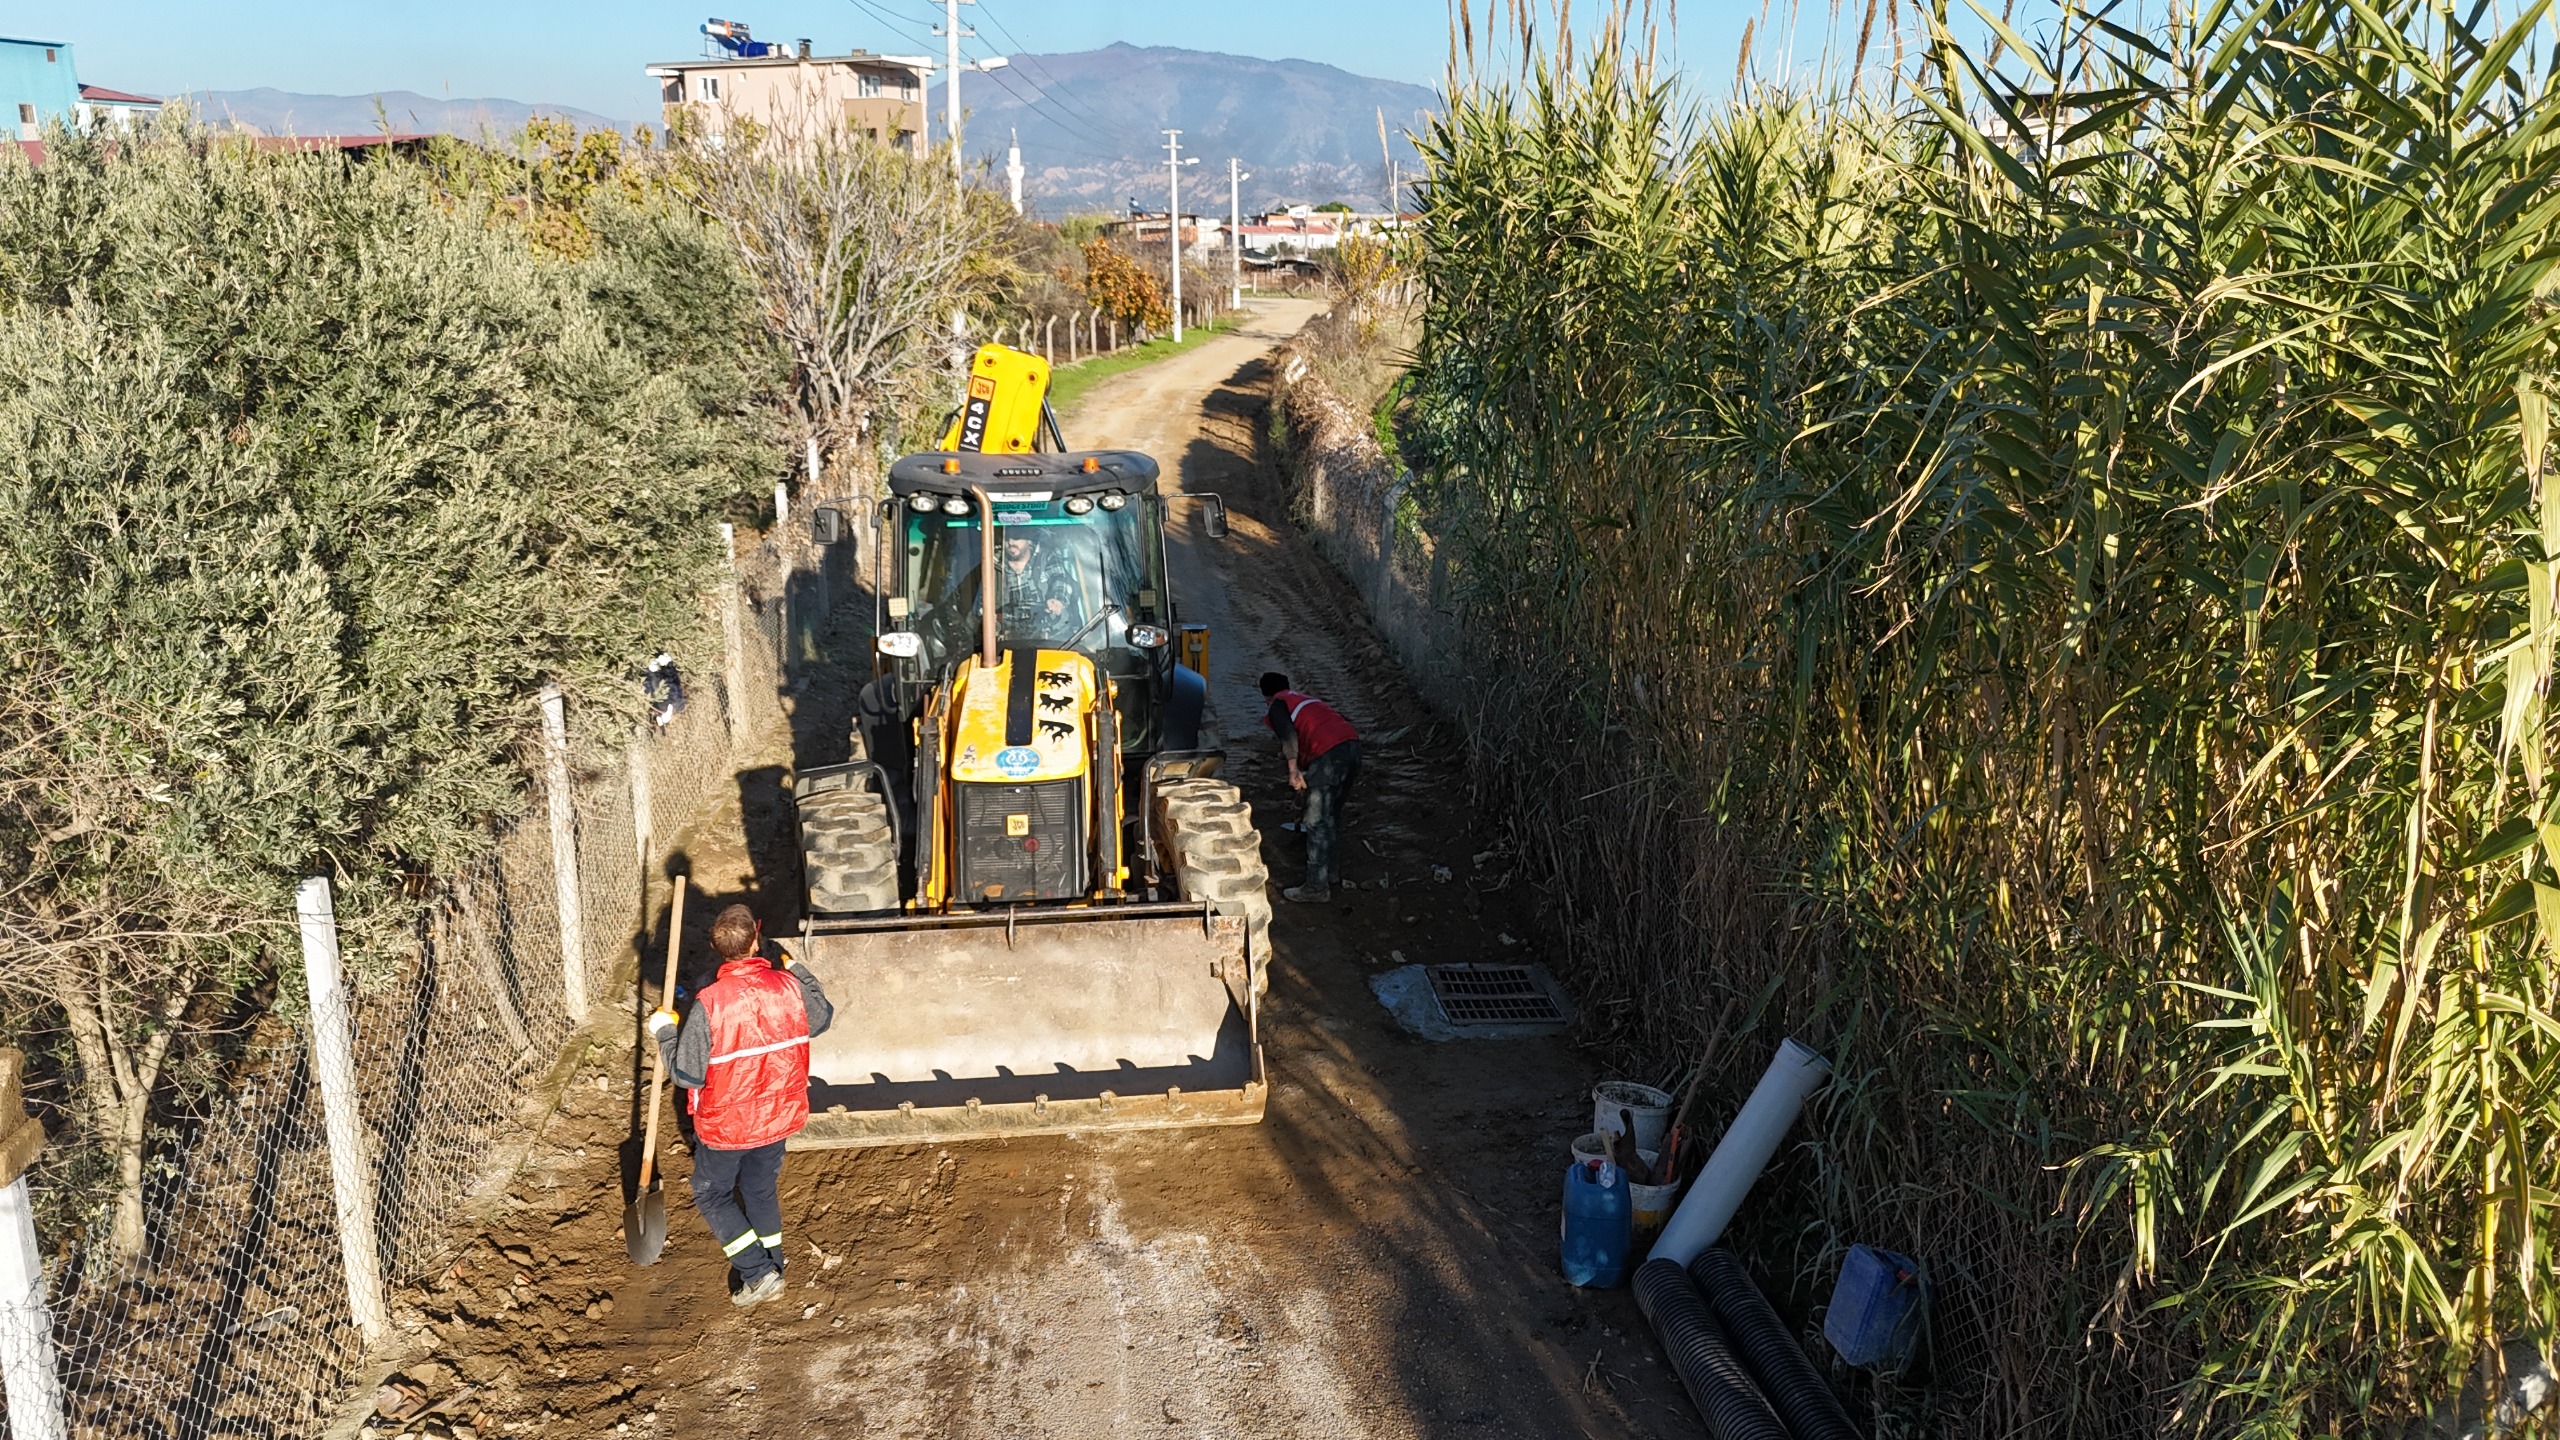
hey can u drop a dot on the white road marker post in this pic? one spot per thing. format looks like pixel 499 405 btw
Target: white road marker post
pixel 564 853
pixel 333 1060
pixel 28 1370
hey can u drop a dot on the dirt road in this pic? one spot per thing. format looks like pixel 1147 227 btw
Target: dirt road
pixel 1375 1260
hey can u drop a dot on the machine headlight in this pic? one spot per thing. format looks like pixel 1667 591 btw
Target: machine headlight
pixel 921 504
pixel 902 644
pixel 1113 499
pixel 956 505
pixel 1147 637
pixel 1079 504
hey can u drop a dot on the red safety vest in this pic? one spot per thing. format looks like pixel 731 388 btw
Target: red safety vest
pixel 756 1088
pixel 1320 727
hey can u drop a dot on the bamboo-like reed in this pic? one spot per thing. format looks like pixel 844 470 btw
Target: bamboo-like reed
pixel 2048 591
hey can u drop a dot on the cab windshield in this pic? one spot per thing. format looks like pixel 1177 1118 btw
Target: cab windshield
pixel 1063 581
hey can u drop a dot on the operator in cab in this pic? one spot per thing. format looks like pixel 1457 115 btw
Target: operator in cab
pixel 1040 599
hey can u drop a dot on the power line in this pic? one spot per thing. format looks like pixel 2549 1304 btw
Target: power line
pixel 1048 83
pixel 1064 122
pixel 894 23
pixel 1033 102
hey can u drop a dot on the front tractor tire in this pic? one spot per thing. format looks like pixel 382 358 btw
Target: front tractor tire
pixel 1206 832
pixel 849 853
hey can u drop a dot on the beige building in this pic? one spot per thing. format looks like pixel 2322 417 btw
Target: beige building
pixel 880 95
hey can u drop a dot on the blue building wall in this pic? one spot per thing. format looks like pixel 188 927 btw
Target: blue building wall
pixel 28 78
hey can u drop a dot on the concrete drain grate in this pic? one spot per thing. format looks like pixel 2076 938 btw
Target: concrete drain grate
pixel 1492 995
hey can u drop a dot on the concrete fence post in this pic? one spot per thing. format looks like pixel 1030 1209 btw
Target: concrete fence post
pixel 643 822
pixel 564 853
pixel 733 644
pixel 1049 341
pixel 333 1061
pixel 29 1370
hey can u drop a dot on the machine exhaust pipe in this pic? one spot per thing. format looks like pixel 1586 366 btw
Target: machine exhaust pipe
pixel 986 577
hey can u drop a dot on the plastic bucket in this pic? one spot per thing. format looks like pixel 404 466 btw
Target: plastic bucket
pixel 1651 1203
pixel 1652 1109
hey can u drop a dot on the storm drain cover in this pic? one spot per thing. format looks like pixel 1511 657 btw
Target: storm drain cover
pixel 1492 995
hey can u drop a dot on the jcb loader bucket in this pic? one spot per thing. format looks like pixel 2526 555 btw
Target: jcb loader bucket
pixel 1032 1022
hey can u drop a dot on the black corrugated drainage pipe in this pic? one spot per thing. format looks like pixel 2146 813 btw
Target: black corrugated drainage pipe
pixel 1714 1377
pixel 1802 1397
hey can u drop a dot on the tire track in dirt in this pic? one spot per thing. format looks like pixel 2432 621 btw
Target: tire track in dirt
pixel 1374 1260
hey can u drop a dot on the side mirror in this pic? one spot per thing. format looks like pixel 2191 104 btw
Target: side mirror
pixel 827 522
pixel 1213 517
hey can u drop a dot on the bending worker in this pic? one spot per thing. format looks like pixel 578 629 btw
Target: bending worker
pixel 743 1059
pixel 1323 752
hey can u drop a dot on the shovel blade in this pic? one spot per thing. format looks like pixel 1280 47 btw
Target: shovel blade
pixel 644 1226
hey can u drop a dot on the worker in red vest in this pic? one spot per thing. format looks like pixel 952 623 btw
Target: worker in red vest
pixel 744 1059
pixel 1323 752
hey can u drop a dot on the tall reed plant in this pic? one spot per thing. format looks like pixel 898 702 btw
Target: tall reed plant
pixel 2046 589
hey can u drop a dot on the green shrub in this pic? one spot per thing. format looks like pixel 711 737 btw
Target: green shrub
pixel 308 478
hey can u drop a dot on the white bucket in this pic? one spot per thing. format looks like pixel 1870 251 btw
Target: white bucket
pixel 1651 1203
pixel 1652 1111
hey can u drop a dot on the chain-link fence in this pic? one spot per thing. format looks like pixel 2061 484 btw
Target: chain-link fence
pixel 237 1320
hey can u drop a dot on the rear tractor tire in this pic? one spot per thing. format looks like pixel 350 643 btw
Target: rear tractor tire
pixel 849 853
pixel 1206 831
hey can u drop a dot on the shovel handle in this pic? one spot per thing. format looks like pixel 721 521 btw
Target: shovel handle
pixel 657 1055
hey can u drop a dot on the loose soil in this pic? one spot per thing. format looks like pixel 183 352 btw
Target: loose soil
pixel 1377 1258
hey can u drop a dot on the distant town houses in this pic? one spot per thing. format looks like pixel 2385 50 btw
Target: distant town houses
pixel 40 85
pixel 1296 230
pixel 791 88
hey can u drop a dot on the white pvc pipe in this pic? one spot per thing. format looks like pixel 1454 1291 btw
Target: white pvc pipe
pixel 333 1059
pixel 26 1321
pixel 1743 1153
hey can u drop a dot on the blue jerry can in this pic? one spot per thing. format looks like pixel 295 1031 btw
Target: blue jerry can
pixel 1599 1225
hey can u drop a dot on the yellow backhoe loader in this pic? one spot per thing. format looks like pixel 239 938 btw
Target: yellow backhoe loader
pixel 1035 906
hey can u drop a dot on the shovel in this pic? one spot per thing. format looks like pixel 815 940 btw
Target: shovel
pixel 644 1220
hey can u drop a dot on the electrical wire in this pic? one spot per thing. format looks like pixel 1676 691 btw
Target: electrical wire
pixel 1065 121
pixel 1049 83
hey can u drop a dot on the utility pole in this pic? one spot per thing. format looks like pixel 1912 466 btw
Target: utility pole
pixel 1013 168
pixel 1174 160
pixel 952 35
pixel 1235 232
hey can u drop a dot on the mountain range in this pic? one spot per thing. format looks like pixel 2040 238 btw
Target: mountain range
pixel 282 112
pixel 1092 128
pixel 1090 124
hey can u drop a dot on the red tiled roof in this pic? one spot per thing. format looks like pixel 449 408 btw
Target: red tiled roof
pixel 101 95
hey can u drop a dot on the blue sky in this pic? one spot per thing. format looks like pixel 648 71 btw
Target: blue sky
pixel 589 53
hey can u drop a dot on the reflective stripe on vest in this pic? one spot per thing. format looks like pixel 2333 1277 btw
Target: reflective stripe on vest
pixel 757 1050
pixel 1320 730
pixel 755 1089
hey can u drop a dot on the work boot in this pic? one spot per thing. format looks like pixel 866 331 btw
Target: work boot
pixel 1312 893
pixel 763 1287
